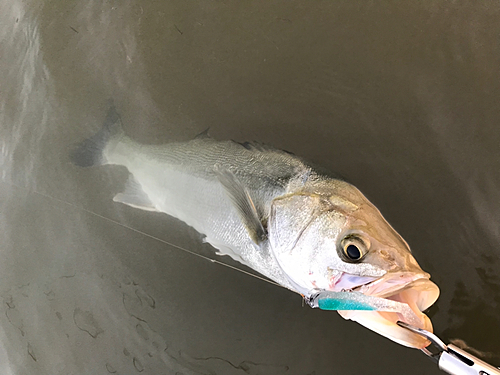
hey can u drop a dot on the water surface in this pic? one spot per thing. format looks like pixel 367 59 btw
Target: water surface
pixel 399 98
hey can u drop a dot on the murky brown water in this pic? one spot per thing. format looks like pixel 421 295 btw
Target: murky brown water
pixel 401 99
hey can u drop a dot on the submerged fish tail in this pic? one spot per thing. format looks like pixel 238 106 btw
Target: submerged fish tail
pixel 90 152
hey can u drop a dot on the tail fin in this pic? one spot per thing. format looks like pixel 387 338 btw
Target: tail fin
pixel 90 151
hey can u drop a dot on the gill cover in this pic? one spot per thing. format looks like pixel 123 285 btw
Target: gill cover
pixel 289 218
pixel 305 232
pixel 290 215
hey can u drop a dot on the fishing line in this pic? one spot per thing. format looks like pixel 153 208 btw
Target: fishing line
pixel 144 233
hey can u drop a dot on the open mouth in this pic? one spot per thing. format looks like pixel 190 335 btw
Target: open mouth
pixel 413 290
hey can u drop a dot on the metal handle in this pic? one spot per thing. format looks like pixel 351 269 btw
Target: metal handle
pixel 456 361
pixel 452 359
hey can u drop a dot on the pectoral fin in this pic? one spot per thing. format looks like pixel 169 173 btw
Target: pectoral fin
pixel 134 196
pixel 243 203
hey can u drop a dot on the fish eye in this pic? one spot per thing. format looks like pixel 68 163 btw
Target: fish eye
pixel 353 249
pixel 353 252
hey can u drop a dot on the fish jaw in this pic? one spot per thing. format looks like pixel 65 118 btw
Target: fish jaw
pixel 415 290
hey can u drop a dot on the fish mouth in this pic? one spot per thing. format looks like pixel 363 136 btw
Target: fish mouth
pixel 414 290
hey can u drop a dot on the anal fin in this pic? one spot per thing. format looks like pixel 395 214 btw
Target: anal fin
pixel 134 196
pixel 224 249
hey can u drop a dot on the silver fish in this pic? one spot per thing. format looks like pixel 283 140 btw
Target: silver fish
pixel 271 211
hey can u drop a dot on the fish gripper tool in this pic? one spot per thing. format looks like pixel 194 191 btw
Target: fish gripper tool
pixel 452 359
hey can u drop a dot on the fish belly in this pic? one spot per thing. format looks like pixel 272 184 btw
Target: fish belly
pixel 195 198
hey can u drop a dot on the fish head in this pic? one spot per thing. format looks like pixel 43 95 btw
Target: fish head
pixel 332 238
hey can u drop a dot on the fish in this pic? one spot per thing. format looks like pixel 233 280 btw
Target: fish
pixel 298 225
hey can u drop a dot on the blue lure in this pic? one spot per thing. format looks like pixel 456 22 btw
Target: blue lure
pixel 345 301
pixel 342 303
pixel 327 300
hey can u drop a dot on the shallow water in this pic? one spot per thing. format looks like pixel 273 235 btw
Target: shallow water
pixel 400 99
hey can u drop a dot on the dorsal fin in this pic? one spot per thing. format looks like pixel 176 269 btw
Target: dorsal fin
pixel 258 146
pixel 204 134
